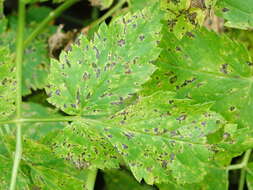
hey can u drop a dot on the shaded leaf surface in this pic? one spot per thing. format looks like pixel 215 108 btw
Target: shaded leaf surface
pixel 40 129
pixel 97 76
pixel 119 179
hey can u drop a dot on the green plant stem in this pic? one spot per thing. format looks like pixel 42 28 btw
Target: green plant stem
pixel 18 155
pixel 108 13
pixel 55 13
pixel 19 58
pixel 244 162
pixel 34 120
pixel 91 179
pixel 243 170
pixel 242 179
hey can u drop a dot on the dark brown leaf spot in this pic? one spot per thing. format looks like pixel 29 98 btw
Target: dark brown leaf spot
pixel 189 34
pixel 173 79
pixel 121 42
pixel 232 108
pixel 225 9
pixel 249 63
pixel 182 117
pixel 142 37
pixel 224 68
pixel 164 164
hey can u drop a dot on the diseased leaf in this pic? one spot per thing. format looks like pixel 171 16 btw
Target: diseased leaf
pixel 183 15
pixel 239 14
pixel 7 83
pixel 36 58
pixel 207 67
pixel 167 137
pixel 84 147
pixel 119 179
pixel 160 138
pixel 44 169
pixel 96 77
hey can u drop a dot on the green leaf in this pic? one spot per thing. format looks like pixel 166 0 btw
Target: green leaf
pixel 207 67
pixel 44 170
pixel 160 138
pixel 97 76
pixel 216 178
pixel 119 179
pixel 238 14
pixel 103 4
pixel 7 83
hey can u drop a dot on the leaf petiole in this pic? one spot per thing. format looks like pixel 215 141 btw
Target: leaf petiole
pixel 19 58
pixel 91 179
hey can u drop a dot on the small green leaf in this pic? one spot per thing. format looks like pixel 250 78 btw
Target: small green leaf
pixel 96 77
pixel 238 14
